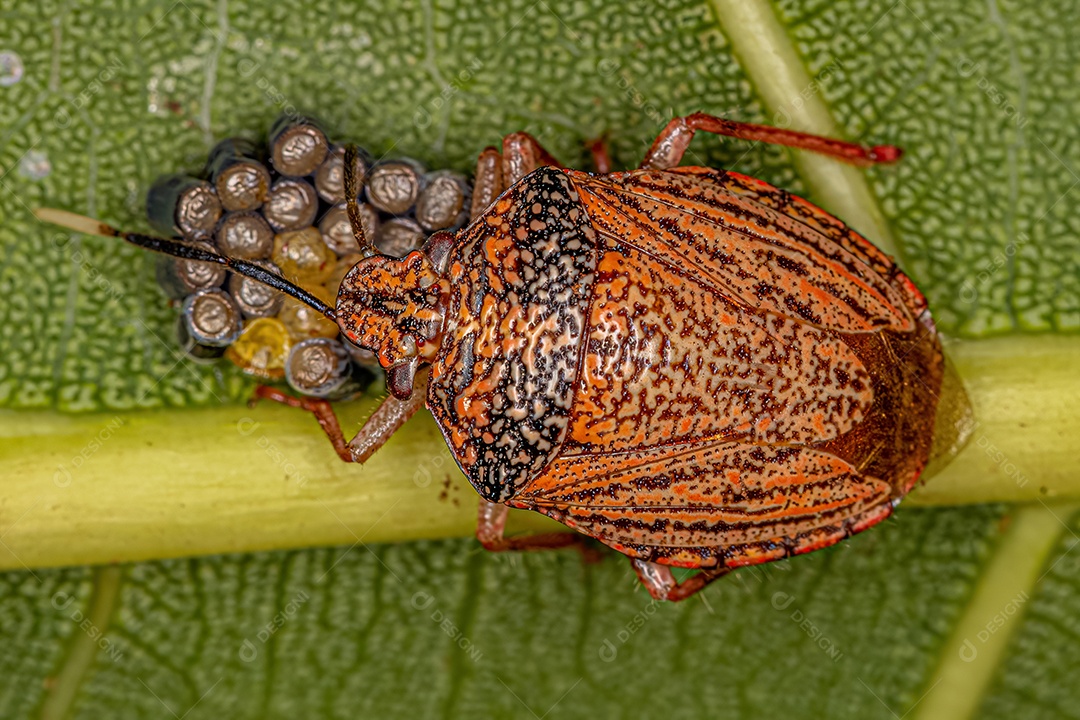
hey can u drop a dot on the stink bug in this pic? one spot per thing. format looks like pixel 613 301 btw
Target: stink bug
pixel 690 365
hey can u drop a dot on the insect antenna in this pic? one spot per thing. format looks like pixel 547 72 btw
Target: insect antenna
pixel 89 226
pixel 352 207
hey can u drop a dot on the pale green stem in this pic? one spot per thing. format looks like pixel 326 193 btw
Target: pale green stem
pixel 89 634
pixel 113 488
pixel 981 636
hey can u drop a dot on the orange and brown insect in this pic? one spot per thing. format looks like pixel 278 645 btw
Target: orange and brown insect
pixel 690 365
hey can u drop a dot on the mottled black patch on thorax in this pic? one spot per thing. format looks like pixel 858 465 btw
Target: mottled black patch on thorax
pixel 504 381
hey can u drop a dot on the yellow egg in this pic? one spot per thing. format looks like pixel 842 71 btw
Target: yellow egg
pixel 304 322
pixel 303 256
pixel 262 348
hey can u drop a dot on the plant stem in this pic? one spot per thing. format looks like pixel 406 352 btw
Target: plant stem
pixel 102 488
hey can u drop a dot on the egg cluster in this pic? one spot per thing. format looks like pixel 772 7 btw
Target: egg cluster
pixel 283 207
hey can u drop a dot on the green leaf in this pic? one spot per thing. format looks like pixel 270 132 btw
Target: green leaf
pixel 444 629
pixel 130 454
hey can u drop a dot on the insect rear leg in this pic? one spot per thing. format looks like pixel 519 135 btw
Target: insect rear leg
pixel 391 414
pixel 670 145
pixel 660 582
pixel 491 524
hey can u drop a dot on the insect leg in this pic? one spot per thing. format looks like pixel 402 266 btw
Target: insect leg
pixel 660 582
pixel 521 154
pixel 601 158
pixel 387 418
pixel 491 524
pixel 488 182
pixel 324 413
pixel 670 145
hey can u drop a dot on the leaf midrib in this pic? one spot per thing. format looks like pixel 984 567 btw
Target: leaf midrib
pixel 83 649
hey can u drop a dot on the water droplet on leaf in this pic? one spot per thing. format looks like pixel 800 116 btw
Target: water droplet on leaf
pixel 35 165
pixel 11 68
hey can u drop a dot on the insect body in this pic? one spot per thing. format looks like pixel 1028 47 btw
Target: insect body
pixel 690 365
pixel 672 363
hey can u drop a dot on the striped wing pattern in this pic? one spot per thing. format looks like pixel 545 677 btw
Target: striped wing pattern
pixel 730 498
pixel 754 254
pixel 710 503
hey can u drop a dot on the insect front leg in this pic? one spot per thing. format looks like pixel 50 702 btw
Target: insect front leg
pixel 521 154
pixel 487 181
pixel 598 148
pixel 660 582
pixel 387 418
pixel 670 145
pixel 391 414
pixel 322 409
